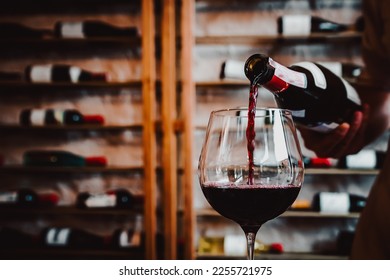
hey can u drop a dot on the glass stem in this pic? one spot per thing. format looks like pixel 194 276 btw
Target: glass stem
pixel 250 241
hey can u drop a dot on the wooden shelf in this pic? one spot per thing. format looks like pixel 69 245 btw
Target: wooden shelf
pixel 6 86
pixel 69 254
pixel 339 171
pixel 283 256
pixel 65 210
pixel 75 170
pixel 270 39
pixel 59 128
pixel 289 214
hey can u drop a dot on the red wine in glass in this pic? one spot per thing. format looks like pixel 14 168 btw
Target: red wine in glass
pixel 250 205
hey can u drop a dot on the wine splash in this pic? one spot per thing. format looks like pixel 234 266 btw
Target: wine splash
pixel 250 130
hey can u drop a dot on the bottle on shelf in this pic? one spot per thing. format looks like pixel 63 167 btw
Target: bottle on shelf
pixel 14 238
pixel 365 159
pixel 234 245
pixel 316 162
pixel 58 158
pixel 75 238
pixel 346 70
pixel 14 30
pixel 28 198
pixel 118 198
pixel 302 25
pixel 52 73
pixel 42 117
pixel 316 97
pixel 10 76
pixel 232 69
pixel 338 202
pixel 129 238
pixel 92 29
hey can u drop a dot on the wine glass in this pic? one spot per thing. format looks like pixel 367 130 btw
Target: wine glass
pixel 251 182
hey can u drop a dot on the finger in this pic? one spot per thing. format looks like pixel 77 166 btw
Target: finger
pixel 341 148
pixel 332 140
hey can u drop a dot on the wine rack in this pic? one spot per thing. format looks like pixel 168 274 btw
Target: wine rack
pixel 227 30
pixel 144 14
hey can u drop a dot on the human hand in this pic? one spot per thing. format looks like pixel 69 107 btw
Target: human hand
pixel 347 138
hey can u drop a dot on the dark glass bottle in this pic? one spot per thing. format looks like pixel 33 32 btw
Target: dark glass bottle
pixel 14 30
pixel 296 24
pixel 92 29
pixel 29 198
pixel 51 73
pixel 14 238
pixel 74 238
pixel 20 198
pixel 10 77
pixel 40 117
pixel 119 198
pixel 338 202
pixel 55 158
pixel 317 98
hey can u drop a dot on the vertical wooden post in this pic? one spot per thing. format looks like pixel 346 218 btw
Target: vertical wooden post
pixel 188 106
pixel 169 149
pixel 149 133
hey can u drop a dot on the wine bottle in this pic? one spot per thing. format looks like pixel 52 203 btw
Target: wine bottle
pixel 365 159
pixel 10 77
pixel 13 238
pixel 14 30
pixel 316 97
pixel 28 198
pixel 128 238
pixel 72 238
pixel 234 245
pixel 338 202
pixel 41 117
pixel 92 29
pixel 297 25
pixel 316 162
pixel 119 198
pixel 343 69
pixel 51 73
pixel 232 69
pixel 56 158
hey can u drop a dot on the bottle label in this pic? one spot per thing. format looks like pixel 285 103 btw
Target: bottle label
pixel 234 70
pixel 72 30
pixel 318 75
pixel 234 245
pixel 37 117
pixel 124 239
pixel 337 203
pixel 41 73
pixel 292 77
pixel 365 159
pixel 7 197
pixel 74 73
pixel 58 236
pixel 335 67
pixel 101 200
pixel 59 116
pixel 295 25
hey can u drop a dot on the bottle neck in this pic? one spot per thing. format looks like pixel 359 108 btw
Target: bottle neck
pixel 93 119
pixel 276 85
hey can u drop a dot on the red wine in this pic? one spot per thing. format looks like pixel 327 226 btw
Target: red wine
pixel 316 97
pixel 49 73
pixel 250 205
pixel 92 29
pixel 250 131
pixel 40 117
